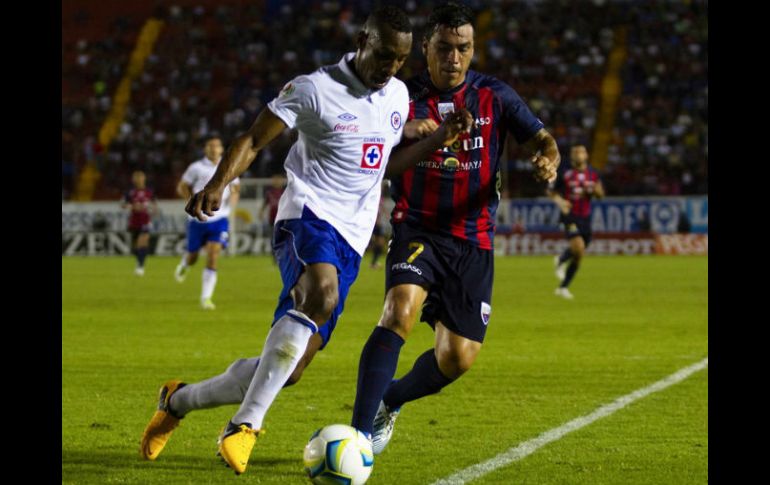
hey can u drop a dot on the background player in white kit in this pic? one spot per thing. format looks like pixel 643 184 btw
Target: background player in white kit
pixel 349 117
pixel 212 233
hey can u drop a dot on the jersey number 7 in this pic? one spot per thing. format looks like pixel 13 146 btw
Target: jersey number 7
pixel 418 247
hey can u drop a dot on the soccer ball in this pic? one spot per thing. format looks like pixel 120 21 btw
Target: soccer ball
pixel 338 454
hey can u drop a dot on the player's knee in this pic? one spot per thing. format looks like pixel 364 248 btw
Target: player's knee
pixel 399 318
pixel 454 363
pixel 321 302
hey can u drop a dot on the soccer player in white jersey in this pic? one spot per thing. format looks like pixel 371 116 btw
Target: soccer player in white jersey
pixel 212 233
pixel 349 117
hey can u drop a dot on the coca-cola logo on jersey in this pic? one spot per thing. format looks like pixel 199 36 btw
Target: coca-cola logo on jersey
pixel 346 128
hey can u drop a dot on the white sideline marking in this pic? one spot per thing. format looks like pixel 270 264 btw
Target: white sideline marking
pixel 528 447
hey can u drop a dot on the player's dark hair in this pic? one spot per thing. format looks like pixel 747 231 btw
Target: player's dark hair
pixel 452 15
pixel 211 136
pixel 393 16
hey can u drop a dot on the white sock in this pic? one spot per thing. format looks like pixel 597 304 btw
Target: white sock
pixel 285 345
pixel 209 282
pixel 226 388
pixel 183 263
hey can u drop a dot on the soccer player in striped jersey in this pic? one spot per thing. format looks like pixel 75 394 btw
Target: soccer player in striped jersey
pixel 440 261
pixel 572 192
pixel 142 204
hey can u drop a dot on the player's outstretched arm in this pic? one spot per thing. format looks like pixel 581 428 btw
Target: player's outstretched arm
pixel 599 190
pixel 564 204
pixel 405 157
pixel 419 128
pixel 235 195
pixel 184 190
pixel 239 156
pixel 545 155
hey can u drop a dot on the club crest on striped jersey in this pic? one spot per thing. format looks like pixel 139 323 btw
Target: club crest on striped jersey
pixel 371 157
pixel 445 108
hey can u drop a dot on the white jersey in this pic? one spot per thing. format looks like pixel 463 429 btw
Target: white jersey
pixel 197 176
pixel 346 134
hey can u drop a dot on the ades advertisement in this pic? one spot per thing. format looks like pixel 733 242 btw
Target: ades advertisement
pixel 613 214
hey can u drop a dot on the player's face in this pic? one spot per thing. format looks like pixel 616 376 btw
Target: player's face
pixel 139 179
pixel 578 156
pixel 449 52
pixel 381 53
pixel 214 149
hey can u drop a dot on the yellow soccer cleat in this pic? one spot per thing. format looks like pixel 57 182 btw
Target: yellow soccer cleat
pixel 162 424
pixel 235 445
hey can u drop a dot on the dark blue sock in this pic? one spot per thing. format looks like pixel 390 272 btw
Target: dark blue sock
pixel 141 253
pixel 567 254
pixel 424 379
pixel 571 270
pixel 379 359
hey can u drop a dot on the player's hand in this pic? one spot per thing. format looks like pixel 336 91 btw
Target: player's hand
pixel 545 168
pixel 204 202
pixel 419 128
pixel 565 206
pixel 455 123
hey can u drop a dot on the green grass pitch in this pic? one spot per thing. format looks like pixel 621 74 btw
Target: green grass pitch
pixel 634 321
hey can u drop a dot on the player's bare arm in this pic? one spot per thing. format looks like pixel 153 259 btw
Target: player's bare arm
pixel 545 155
pixel 598 192
pixel 404 158
pixel 239 156
pixel 235 195
pixel 419 128
pixel 564 205
pixel 184 190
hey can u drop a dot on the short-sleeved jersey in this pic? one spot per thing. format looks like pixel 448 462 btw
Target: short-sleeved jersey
pixel 197 176
pixel 455 190
pixel 346 134
pixel 577 186
pixel 140 200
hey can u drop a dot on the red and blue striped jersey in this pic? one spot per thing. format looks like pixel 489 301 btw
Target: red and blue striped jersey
pixel 577 187
pixel 456 190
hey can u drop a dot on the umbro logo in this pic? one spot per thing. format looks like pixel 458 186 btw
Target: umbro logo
pixel 347 117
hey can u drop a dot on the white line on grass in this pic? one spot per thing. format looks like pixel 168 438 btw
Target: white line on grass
pixel 528 447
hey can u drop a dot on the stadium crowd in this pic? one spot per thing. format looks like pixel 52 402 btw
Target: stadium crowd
pixel 216 64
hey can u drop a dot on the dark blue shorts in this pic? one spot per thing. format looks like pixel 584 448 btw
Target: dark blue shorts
pixel 299 242
pixel 200 233
pixel 577 226
pixel 457 275
pixel 137 231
